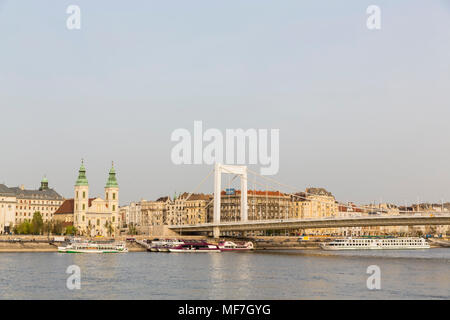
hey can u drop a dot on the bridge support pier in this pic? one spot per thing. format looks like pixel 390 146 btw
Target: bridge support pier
pixel 216 232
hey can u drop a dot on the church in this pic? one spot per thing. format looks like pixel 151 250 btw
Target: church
pixel 92 216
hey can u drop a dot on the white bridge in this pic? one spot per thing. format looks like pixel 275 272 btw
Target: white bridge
pixel 243 224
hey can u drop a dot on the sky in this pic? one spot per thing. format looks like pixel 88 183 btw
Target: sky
pixel 363 113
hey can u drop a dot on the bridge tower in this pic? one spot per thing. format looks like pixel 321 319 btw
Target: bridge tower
pixel 241 171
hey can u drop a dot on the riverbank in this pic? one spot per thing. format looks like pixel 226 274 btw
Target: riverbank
pixel 30 246
pixel 27 247
pixel 43 244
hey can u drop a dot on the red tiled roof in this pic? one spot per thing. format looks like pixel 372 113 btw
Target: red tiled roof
pixel 68 206
pixel 195 196
pixel 259 193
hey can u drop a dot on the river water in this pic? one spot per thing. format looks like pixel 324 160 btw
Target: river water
pixel 303 274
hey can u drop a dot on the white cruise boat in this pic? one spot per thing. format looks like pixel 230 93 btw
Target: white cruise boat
pixel 232 246
pixel 376 244
pixel 93 247
pixel 164 245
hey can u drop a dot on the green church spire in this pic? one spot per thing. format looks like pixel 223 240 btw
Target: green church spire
pixel 82 180
pixel 112 181
pixel 44 184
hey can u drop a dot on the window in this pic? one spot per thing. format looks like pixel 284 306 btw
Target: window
pixel 114 196
pixel 84 206
pixel 84 194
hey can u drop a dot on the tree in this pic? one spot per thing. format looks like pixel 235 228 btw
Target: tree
pixel 109 227
pixel 57 227
pixel 132 229
pixel 89 228
pixel 47 228
pixel 37 224
pixel 70 230
pixel 23 228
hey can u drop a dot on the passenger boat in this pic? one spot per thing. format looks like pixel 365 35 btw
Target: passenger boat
pixel 376 244
pixel 164 248
pixel 164 245
pixel 195 247
pixel 93 247
pixel 232 246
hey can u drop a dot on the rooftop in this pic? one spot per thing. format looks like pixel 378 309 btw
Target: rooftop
pixel 47 194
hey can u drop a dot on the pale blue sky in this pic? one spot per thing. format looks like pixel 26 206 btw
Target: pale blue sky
pixel 362 113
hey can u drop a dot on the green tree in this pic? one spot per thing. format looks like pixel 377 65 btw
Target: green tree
pixel 70 230
pixel 57 227
pixel 37 224
pixel 23 228
pixel 132 229
pixel 89 228
pixel 109 228
pixel 47 228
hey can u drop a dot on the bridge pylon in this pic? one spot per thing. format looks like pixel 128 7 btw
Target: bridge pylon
pixel 241 171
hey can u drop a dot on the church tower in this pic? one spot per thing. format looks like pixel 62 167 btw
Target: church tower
pixel 112 196
pixel 81 202
pixel 44 184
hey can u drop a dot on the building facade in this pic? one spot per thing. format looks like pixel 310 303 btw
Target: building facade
pixel 96 216
pixel 18 204
pixel 262 205
pixel 8 202
pixel 189 209
pixel 132 214
pixel 154 213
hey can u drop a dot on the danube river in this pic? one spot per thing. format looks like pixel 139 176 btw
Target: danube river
pixel 314 274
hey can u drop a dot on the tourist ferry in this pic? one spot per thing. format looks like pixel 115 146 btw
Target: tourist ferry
pixel 232 246
pixel 164 245
pixel 92 247
pixel 195 247
pixel 376 244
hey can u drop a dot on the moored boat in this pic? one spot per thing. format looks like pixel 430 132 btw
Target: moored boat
pixel 203 247
pixel 164 245
pixel 93 247
pixel 164 248
pixel 376 244
pixel 232 246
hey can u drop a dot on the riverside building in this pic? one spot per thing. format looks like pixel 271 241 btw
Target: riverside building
pixel 96 216
pixel 18 204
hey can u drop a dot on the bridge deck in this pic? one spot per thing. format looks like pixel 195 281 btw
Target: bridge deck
pixel 280 224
